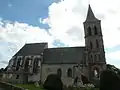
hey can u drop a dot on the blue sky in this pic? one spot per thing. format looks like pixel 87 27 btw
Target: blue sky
pixel 58 22
pixel 27 11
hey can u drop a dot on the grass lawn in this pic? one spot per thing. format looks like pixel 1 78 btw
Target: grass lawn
pixel 29 86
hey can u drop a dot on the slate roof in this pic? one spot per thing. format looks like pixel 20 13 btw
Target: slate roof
pixel 90 15
pixel 31 49
pixel 64 55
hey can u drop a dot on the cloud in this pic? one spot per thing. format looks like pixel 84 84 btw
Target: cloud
pixel 66 21
pixel 4 62
pixel 114 55
pixel 9 5
pixel 66 15
pixel 13 35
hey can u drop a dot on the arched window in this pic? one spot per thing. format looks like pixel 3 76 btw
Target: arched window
pixel 15 61
pixel 95 30
pixel 97 44
pixel 96 72
pixel 59 72
pixel 89 31
pixel 11 62
pixel 26 65
pixel 69 72
pixel 18 65
pixel 36 65
pixel 91 46
pixel 21 61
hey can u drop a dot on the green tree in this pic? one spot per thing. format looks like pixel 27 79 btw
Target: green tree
pixel 113 68
pixel 109 80
pixel 53 82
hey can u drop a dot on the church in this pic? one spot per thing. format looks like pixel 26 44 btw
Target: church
pixel 35 61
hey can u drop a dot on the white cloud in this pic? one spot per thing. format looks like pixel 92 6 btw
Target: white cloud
pixel 65 15
pixel 9 5
pixel 114 55
pixel 113 58
pixel 66 21
pixel 13 35
pixel 66 24
pixel 23 33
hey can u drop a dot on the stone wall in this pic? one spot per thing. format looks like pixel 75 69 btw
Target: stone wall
pixel 34 77
pixel 11 78
pixel 52 69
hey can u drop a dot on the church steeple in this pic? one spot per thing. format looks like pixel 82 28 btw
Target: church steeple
pixel 95 54
pixel 90 15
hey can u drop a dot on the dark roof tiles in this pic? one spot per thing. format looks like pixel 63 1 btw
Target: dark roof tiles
pixel 90 15
pixel 31 49
pixel 63 55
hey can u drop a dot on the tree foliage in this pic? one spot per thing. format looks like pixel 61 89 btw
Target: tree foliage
pixel 53 82
pixel 113 68
pixel 84 79
pixel 109 80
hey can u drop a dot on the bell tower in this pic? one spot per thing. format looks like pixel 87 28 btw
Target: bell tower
pixel 95 54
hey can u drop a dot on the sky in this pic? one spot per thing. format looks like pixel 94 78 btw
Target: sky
pixel 58 22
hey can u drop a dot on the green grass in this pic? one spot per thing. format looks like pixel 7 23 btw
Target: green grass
pixel 33 87
pixel 29 86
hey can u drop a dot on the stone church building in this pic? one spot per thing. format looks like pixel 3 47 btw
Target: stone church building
pixel 35 61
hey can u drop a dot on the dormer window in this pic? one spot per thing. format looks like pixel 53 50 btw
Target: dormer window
pixel 21 61
pixel 11 62
pixel 18 65
pixel 36 64
pixel 26 65
pixel 29 62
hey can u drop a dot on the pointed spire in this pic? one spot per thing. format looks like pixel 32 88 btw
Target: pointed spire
pixel 90 15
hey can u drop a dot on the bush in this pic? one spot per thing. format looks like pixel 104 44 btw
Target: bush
pixel 109 80
pixel 53 82
pixel 84 80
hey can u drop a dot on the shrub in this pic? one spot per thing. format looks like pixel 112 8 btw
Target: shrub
pixel 53 82
pixel 109 80
pixel 84 79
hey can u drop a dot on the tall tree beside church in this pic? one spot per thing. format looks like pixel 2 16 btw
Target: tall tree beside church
pixel 113 68
pixel 109 80
pixel 53 82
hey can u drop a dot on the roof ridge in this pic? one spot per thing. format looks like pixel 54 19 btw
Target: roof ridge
pixel 37 43
pixel 67 47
